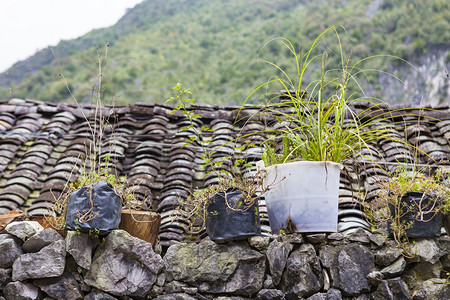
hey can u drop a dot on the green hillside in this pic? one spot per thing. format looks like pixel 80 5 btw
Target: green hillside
pixel 213 46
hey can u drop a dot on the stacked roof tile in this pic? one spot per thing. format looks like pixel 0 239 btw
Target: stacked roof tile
pixel 42 145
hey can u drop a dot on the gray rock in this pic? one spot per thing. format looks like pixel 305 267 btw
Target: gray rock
pixel 318 296
pixel 155 292
pixel 392 289
pixel 5 277
pixel 395 269
pixel 375 278
pixel 421 272
pixel 386 256
pixel 399 289
pixel 360 235
pixel 98 295
pixel 303 274
pixel 80 246
pixel 23 229
pixel 48 262
pixel 335 237
pixel 316 238
pixel 40 240
pixel 444 245
pixel 179 296
pixel 9 251
pixel 383 292
pixel 270 294
pixel 268 283
pixel 124 266
pixel 215 268
pixel 21 291
pixel 425 251
pixel 334 294
pixel 349 266
pixel 76 271
pixel 294 238
pixel 161 279
pixel 327 254
pixel 174 287
pixel 189 290
pixel 259 242
pixel 435 288
pixel 6 236
pixel 378 239
pixel 277 255
pixel 63 287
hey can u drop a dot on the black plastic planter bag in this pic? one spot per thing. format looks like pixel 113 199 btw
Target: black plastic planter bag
pixel 428 226
pixel 226 224
pixel 101 202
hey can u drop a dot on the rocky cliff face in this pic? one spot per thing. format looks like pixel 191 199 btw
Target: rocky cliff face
pixel 426 84
pixel 38 264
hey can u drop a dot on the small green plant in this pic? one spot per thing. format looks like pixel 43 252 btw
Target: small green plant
pixel 389 208
pixel 96 161
pixel 316 118
pixel 193 209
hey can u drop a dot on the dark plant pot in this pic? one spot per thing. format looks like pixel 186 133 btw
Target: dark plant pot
pixel 225 224
pixel 106 208
pixel 430 223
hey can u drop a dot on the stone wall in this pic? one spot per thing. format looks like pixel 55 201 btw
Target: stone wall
pixel 41 264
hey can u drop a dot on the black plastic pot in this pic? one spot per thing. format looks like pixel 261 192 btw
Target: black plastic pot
pixel 225 224
pixel 106 208
pixel 426 226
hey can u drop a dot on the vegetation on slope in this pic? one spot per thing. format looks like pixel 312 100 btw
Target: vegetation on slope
pixel 216 47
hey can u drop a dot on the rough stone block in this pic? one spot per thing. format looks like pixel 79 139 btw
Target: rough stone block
pixel 349 266
pixel 63 287
pixel 303 274
pixel 48 262
pixel 395 269
pixel 9 251
pixel 124 266
pixel 386 256
pixel 40 240
pixel 425 250
pixel 213 268
pixel 20 291
pixel 80 246
pixel 270 294
pixel 277 255
pixel 23 229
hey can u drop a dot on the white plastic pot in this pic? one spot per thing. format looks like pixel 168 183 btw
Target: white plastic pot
pixel 303 196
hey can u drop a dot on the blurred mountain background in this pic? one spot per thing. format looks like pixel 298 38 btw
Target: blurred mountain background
pixel 216 48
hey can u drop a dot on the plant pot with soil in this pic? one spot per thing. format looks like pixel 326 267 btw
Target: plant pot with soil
pixel 230 216
pixel 316 130
pixel 412 204
pixel 227 210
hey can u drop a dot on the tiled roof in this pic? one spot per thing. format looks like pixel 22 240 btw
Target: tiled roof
pixel 40 143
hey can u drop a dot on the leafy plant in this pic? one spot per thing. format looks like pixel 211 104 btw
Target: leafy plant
pixel 388 207
pixel 193 208
pixel 96 162
pixel 316 120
